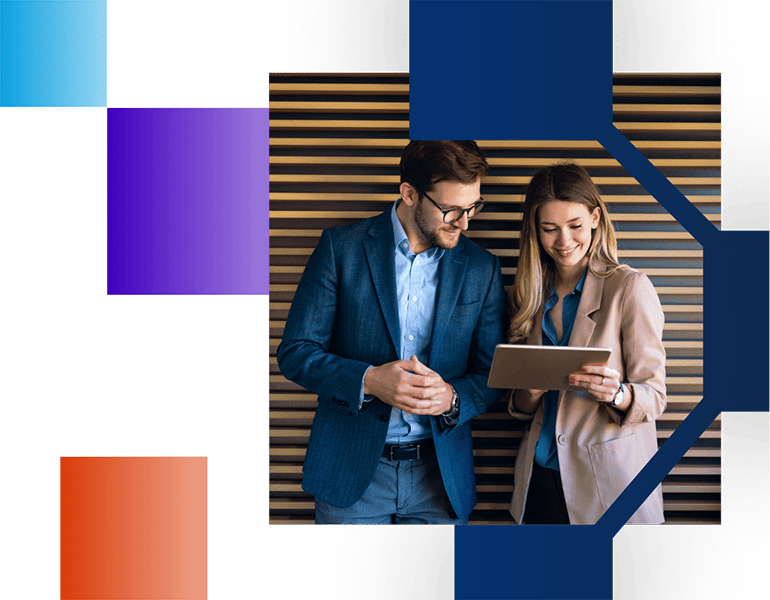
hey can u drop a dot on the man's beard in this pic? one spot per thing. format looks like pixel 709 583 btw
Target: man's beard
pixel 433 237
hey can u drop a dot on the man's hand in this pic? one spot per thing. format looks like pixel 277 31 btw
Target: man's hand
pixel 410 386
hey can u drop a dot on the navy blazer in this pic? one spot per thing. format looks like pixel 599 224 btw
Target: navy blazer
pixel 344 318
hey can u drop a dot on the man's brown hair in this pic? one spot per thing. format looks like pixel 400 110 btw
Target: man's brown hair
pixel 424 163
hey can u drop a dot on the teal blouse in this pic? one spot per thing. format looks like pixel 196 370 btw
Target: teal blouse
pixel 545 451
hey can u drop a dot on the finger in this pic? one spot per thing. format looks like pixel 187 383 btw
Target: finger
pixel 421 381
pixel 418 406
pixel 405 365
pixel 580 379
pixel 587 382
pixel 417 394
pixel 603 370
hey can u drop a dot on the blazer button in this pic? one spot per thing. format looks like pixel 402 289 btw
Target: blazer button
pixel 384 418
pixel 340 402
pixel 562 439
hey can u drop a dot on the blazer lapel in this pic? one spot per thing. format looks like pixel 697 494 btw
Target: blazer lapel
pixel 379 249
pixel 451 274
pixel 590 301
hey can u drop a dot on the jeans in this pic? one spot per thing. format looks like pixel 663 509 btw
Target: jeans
pixel 401 492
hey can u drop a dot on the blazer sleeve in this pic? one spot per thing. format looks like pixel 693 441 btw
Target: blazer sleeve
pixel 475 396
pixel 514 411
pixel 303 355
pixel 644 356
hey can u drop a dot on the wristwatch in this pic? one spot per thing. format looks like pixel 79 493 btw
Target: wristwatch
pixel 618 396
pixel 454 410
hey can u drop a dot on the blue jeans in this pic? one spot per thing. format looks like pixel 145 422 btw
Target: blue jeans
pixel 402 492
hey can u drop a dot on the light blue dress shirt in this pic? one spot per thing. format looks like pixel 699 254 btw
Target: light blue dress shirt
pixel 545 451
pixel 416 285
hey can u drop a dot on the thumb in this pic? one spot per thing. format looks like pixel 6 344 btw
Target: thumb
pixel 418 367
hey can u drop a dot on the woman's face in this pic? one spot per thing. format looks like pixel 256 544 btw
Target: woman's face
pixel 564 230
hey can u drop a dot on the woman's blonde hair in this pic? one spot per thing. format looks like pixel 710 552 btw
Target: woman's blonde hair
pixel 566 182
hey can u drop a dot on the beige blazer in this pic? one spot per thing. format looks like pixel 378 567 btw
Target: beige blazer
pixel 601 449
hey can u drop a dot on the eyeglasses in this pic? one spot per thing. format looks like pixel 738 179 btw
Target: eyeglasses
pixel 455 214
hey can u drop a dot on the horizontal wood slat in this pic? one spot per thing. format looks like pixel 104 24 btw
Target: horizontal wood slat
pixel 474 234
pixel 335 146
pixel 403 107
pixel 392 161
pixel 665 91
pixel 485 215
pixel 388 125
pixel 311 124
pixel 497 198
pixel 668 109
pixel 339 88
pixel 514 252
pixel 491 180
pixel 340 107
pixel 400 144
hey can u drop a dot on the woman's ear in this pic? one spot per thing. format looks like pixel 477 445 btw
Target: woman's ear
pixel 595 214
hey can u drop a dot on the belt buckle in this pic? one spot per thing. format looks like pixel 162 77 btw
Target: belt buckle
pixel 407 447
pixel 416 447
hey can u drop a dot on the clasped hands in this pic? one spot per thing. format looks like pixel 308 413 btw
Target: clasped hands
pixel 410 386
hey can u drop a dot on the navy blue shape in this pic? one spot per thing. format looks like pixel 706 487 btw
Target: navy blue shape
pixel 657 184
pixel 532 562
pixel 735 320
pixel 524 70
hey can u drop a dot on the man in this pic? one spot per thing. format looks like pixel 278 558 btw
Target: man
pixel 394 325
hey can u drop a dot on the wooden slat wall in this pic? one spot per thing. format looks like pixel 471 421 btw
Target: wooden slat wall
pixel 335 144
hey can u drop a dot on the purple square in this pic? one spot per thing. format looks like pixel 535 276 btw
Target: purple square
pixel 187 193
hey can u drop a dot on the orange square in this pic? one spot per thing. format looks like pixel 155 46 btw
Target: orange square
pixel 133 528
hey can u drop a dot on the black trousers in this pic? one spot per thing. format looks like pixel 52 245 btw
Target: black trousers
pixel 545 498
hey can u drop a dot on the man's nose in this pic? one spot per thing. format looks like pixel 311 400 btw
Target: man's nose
pixel 462 222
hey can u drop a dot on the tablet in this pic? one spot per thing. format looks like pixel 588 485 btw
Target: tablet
pixel 541 367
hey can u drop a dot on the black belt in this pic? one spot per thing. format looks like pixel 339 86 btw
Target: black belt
pixel 420 449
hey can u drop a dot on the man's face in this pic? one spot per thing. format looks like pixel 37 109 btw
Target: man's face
pixel 429 220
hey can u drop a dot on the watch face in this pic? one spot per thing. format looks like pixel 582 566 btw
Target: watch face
pixel 618 397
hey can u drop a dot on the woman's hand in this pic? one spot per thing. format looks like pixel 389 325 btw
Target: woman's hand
pixel 601 382
pixel 526 401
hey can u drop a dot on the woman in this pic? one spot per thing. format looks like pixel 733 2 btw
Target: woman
pixel 582 447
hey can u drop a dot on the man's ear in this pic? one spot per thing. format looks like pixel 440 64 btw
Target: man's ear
pixel 408 194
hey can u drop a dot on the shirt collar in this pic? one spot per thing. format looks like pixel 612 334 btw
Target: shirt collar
pixel 552 298
pixel 579 286
pixel 402 241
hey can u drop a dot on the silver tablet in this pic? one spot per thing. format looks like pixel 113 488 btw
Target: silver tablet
pixel 541 367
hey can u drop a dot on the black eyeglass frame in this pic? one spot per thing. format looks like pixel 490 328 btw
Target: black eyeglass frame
pixel 476 209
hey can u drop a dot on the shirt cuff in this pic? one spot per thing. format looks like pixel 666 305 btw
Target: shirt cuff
pixel 364 397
